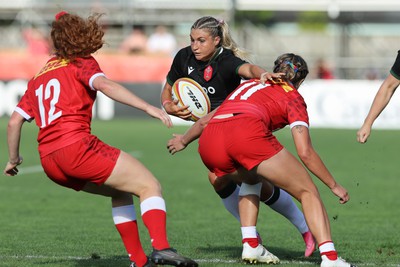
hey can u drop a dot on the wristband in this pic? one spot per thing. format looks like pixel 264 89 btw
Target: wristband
pixel 166 102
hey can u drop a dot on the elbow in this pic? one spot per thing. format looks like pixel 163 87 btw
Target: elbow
pixel 203 124
pixel 15 122
pixel 305 155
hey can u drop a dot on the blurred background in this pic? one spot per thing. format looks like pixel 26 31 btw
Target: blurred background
pixel 345 41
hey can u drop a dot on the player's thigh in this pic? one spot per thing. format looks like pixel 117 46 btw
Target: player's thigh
pixel 245 176
pixel 238 177
pixel 130 175
pixel 118 198
pixel 219 183
pixel 286 172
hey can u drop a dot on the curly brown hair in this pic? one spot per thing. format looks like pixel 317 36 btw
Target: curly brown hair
pixel 75 37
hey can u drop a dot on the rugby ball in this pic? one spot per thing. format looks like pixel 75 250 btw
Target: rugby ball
pixel 189 93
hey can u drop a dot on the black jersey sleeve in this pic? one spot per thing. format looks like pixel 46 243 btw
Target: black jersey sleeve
pixel 177 67
pixel 395 71
pixel 231 63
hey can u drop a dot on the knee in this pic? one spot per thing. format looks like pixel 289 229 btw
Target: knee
pixel 154 186
pixel 250 189
pixel 147 188
pixel 268 190
pixel 311 193
pixel 224 188
pixel 212 178
pixel 120 198
pixel 218 184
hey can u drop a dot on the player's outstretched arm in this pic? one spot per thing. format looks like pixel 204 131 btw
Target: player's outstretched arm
pixel 314 163
pixel 180 142
pixel 381 100
pixel 13 140
pixel 121 94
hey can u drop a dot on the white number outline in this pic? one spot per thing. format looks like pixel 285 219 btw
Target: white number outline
pixel 53 87
pixel 246 95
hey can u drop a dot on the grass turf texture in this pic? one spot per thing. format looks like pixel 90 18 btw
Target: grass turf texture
pixel 44 224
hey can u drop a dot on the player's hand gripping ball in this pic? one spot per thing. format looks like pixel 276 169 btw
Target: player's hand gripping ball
pixel 189 93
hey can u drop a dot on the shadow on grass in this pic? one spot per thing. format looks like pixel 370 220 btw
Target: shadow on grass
pixel 206 255
pixel 97 261
pixel 103 263
pixel 90 261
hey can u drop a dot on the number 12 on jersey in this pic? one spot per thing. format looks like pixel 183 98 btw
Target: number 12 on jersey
pixel 52 88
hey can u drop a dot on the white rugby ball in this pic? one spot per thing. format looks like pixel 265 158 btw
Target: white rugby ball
pixel 190 93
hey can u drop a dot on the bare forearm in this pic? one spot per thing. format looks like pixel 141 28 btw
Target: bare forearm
pixel 315 165
pixel 14 137
pixel 166 94
pixel 309 156
pixel 195 131
pixel 378 105
pixel 124 96
pixel 119 93
pixel 192 133
pixel 382 98
pixel 256 71
pixel 250 71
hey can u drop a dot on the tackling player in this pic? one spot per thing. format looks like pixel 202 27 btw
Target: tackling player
pixel 214 61
pixel 238 145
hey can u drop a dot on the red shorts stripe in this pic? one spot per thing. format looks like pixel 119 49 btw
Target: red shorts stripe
pixel 88 160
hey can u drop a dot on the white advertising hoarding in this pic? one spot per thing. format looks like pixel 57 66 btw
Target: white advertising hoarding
pixel 345 104
pixel 330 103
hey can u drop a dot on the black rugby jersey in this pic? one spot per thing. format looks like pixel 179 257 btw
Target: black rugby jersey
pixel 218 77
pixel 395 71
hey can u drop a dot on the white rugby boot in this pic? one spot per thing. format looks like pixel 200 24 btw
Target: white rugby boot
pixel 258 254
pixel 339 262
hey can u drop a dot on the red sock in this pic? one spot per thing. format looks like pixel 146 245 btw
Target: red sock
pixel 156 222
pixel 253 242
pixel 130 237
pixel 332 255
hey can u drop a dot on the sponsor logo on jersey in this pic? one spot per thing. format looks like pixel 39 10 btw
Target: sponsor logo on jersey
pixel 52 65
pixel 190 69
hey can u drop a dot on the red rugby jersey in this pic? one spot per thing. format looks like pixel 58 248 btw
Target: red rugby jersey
pixel 277 103
pixel 60 99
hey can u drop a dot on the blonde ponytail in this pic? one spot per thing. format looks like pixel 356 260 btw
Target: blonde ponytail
pixel 220 28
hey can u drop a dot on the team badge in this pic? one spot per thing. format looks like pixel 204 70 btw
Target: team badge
pixel 208 73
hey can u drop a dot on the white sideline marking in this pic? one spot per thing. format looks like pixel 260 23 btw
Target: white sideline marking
pixel 198 260
pixel 38 168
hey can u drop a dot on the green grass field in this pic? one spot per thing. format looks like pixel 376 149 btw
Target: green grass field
pixel 42 224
